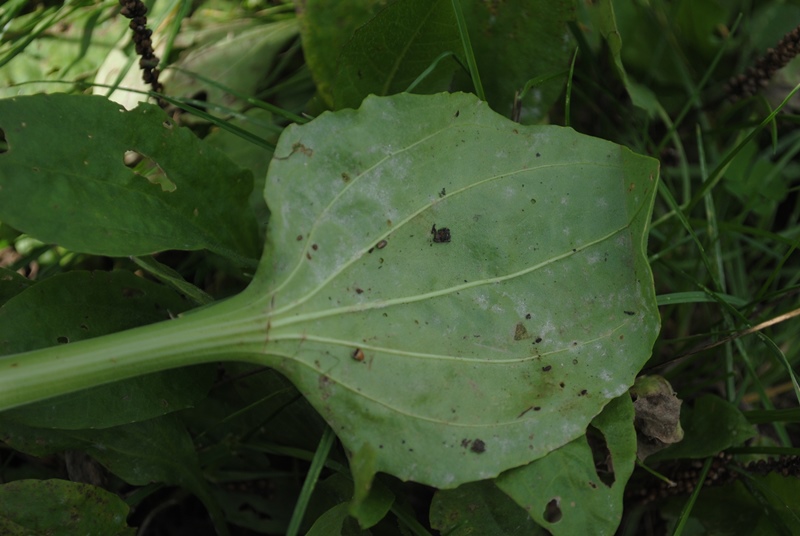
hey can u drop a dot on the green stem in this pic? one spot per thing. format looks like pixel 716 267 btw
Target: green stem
pixel 226 331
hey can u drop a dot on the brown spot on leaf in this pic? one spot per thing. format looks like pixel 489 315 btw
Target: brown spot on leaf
pixel 520 332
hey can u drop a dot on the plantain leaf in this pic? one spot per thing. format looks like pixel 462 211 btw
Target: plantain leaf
pixel 79 193
pixel 451 361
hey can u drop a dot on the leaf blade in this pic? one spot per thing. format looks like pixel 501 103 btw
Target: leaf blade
pixel 73 190
pixel 381 337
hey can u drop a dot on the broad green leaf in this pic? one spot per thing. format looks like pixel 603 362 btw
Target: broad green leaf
pixel 386 55
pixel 710 426
pixel 80 194
pixel 480 508
pixel 515 41
pixel 326 26
pixel 564 491
pixel 453 361
pixel 62 508
pixel 81 305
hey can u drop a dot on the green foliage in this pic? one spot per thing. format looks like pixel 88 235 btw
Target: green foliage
pixel 169 202
pixel 450 306
pixel 60 507
pixel 399 43
pixel 564 491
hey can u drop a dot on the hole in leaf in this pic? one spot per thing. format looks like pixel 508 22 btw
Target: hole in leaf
pixel 603 464
pixel 146 167
pixel 552 512
pixel 3 142
pixel 62 339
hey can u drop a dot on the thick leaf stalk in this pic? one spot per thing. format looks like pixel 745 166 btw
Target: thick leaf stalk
pixel 230 330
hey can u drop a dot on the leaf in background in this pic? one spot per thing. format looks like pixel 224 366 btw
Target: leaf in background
pixel 157 450
pixel 753 505
pixel 389 52
pixel 515 41
pixel 70 53
pixel 80 305
pixel 61 507
pixel 449 362
pixel 337 490
pixel 11 284
pixel 326 26
pixel 331 522
pixel 565 493
pixel 480 508
pixel 239 59
pixel 79 194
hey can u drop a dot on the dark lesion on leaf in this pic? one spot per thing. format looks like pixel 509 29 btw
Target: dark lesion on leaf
pixel 440 236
